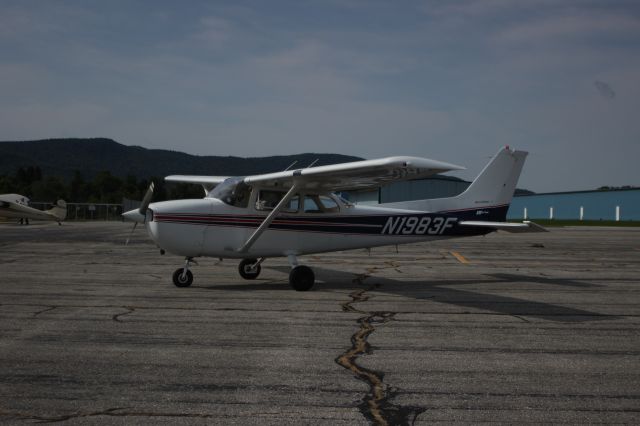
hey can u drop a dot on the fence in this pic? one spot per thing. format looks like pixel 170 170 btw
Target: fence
pixel 87 211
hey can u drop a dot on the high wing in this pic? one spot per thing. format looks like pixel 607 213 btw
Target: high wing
pixel 207 182
pixel 354 175
pixel 337 177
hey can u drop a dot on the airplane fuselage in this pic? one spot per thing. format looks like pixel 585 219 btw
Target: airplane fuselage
pixel 294 212
pixel 209 227
pixel 8 203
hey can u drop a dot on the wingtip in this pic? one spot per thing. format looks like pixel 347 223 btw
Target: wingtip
pixel 452 167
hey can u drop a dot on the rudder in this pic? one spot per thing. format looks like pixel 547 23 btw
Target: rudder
pixel 59 210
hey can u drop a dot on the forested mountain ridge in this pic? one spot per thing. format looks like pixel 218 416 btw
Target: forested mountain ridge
pixel 65 157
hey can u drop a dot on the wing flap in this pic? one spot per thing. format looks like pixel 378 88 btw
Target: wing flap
pixel 525 226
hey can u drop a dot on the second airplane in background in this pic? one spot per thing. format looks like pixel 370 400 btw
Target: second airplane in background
pixel 16 206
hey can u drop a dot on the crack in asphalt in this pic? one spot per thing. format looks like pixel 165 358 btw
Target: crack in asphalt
pixel 47 309
pixel 129 309
pixel 376 405
pixel 113 412
pixel 521 318
pixel 116 317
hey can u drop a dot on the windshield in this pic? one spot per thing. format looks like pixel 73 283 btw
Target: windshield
pixel 232 191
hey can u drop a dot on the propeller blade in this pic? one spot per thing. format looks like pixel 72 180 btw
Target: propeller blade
pixel 140 214
pixel 146 200
pixel 131 233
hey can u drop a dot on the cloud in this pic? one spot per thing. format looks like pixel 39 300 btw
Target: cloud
pixel 576 27
pixel 214 32
pixel 20 81
pixel 448 80
pixel 604 89
pixel 41 121
pixel 22 22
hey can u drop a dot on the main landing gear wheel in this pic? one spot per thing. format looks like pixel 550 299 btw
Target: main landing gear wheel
pixel 182 279
pixel 246 270
pixel 302 278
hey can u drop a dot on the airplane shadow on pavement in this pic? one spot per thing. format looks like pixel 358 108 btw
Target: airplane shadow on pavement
pixel 447 292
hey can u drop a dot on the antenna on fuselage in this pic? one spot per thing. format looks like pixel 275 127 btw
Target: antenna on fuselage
pixel 314 162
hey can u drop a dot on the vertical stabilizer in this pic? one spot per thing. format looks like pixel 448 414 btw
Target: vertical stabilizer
pixel 59 210
pixel 496 184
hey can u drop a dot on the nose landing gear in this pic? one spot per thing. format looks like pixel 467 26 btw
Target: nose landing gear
pixel 183 277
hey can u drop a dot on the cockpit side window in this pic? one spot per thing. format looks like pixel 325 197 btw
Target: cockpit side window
pixel 232 191
pixel 328 204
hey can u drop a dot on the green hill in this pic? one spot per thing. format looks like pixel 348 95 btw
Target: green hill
pixel 61 157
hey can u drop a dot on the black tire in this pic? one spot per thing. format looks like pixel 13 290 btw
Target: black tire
pixel 247 273
pixel 302 278
pixel 181 281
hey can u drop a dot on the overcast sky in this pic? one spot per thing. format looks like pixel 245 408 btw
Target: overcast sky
pixel 452 81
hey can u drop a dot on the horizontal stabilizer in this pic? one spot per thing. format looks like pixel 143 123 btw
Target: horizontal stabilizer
pixel 526 226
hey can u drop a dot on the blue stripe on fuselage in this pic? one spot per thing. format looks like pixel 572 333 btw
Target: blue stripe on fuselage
pixel 418 224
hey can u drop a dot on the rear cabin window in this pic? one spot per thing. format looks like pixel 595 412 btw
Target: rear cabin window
pixel 268 200
pixel 311 205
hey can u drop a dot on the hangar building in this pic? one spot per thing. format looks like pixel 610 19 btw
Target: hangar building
pixel 619 204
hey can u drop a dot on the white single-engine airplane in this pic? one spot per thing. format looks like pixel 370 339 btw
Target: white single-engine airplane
pixel 296 212
pixel 17 206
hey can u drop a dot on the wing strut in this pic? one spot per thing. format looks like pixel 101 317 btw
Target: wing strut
pixel 265 223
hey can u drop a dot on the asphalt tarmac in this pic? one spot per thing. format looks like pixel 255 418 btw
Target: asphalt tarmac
pixel 510 328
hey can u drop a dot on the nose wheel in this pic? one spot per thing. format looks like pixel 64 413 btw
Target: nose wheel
pixel 249 269
pixel 183 277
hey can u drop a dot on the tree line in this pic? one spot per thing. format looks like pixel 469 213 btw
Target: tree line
pixel 101 188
